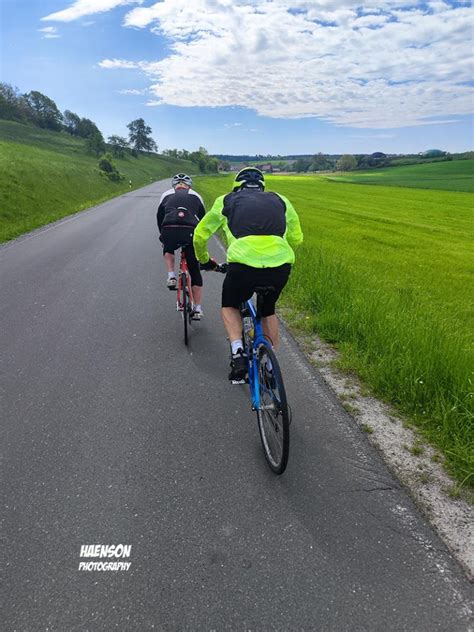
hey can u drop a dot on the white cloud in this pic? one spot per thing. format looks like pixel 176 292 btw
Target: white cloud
pixel 383 64
pixel 365 136
pixel 81 8
pixel 132 91
pixel 49 32
pixel 118 63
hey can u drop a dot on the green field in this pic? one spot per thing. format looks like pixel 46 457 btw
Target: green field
pixel 47 175
pixel 456 175
pixel 386 275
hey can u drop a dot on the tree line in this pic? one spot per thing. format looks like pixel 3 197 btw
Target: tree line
pixel 35 108
pixel 38 109
pixel 201 157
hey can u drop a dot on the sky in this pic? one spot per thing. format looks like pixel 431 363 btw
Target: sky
pixel 254 76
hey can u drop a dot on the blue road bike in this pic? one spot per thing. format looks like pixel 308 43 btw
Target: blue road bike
pixel 267 390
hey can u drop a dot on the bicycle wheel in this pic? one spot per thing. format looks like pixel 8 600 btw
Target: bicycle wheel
pixel 185 306
pixel 273 418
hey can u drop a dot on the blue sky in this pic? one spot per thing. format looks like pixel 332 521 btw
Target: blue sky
pixel 266 76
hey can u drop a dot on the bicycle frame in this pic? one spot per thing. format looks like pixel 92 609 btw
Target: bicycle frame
pixel 258 339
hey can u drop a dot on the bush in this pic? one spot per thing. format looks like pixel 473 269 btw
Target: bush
pixel 108 169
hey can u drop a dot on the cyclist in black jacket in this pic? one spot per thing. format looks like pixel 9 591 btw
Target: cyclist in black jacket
pixel 178 214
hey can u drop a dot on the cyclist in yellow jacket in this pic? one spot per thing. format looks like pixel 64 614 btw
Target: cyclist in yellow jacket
pixel 261 228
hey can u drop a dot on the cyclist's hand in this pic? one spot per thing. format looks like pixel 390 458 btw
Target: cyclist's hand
pixel 211 264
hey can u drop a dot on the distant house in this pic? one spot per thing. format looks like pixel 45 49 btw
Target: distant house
pixel 266 168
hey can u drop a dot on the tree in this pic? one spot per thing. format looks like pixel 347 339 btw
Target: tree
pixel 13 105
pixel 347 162
pixel 119 144
pixel 71 122
pixel 140 136
pixel 302 165
pixel 47 112
pixel 320 162
pixel 95 144
pixel 152 146
pixel 87 128
pixel 377 159
pixel 205 162
pixel 172 153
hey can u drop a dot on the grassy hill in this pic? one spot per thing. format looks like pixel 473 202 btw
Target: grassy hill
pixel 385 274
pixel 47 175
pixel 455 175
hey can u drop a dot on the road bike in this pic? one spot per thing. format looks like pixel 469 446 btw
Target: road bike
pixel 265 381
pixel 184 295
pixel 264 377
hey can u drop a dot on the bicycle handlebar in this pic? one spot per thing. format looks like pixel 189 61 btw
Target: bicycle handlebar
pixel 220 267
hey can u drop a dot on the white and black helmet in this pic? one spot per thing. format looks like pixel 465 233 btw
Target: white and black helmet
pixel 181 177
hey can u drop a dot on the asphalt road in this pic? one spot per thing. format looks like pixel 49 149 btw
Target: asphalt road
pixel 114 433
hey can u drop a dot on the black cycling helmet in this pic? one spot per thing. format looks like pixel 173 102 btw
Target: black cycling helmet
pixel 249 177
pixel 181 177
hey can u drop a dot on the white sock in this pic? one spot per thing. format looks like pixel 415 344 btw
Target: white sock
pixel 236 345
pixel 198 307
pixel 171 275
pixel 269 364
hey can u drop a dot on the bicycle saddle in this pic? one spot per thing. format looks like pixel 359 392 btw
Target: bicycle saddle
pixel 264 289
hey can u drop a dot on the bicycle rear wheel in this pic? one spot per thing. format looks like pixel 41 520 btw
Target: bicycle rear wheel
pixel 185 306
pixel 273 418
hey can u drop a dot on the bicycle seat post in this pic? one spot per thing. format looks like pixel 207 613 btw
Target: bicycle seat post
pixel 261 292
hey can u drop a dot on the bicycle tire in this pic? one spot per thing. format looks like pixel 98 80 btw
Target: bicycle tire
pixel 274 428
pixel 185 306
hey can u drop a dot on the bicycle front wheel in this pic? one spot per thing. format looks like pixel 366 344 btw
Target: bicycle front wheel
pixel 273 418
pixel 185 306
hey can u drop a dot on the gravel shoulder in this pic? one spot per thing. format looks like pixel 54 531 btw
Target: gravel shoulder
pixel 416 464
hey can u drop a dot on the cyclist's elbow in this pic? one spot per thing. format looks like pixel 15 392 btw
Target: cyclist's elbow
pixel 295 241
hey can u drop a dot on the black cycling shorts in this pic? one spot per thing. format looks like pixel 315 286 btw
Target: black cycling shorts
pixel 174 237
pixel 241 280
